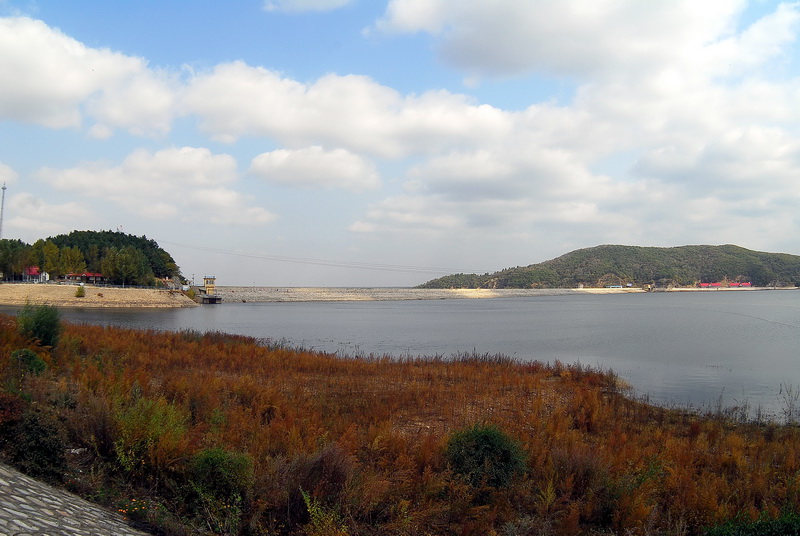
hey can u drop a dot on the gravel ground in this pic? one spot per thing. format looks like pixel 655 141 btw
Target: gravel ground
pixel 296 294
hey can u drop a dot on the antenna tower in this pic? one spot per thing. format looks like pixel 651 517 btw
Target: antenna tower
pixel 2 209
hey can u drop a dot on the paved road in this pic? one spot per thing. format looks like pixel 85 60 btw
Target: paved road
pixel 31 508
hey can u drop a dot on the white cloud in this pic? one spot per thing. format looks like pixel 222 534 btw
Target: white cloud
pixel 764 39
pixel 7 174
pixel 182 183
pixel 55 78
pixel 143 103
pixel 30 217
pixel 407 213
pixel 508 37
pixel 100 132
pixel 300 6
pixel 352 112
pixel 414 16
pixel 741 164
pixel 315 167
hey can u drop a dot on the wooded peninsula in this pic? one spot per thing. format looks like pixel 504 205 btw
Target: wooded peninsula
pixel 614 265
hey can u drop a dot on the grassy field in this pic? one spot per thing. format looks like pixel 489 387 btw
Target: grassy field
pixel 190 433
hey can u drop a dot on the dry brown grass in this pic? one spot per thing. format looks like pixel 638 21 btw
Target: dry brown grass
pixel 365 438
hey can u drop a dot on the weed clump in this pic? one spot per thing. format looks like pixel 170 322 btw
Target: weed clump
pixel 38 446
pixel 787 523
pixel 40 322
pixel 222 474
pixel 28 361
pixel 221 480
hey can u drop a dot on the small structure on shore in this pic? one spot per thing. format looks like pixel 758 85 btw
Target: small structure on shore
pixel 91 278
pixel 209 290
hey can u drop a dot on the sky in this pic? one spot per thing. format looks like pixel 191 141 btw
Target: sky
pixel 373 143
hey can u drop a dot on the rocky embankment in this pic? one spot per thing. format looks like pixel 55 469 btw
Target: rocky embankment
pixel 297 294
pixel 65 296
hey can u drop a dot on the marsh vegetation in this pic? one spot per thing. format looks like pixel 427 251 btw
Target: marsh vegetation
pixel 207 433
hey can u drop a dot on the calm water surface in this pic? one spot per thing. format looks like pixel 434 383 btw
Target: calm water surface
pixel 694 348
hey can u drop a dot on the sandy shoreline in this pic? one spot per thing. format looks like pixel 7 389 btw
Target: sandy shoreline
pixel 257 294
pixel 306 294
pixel 64 296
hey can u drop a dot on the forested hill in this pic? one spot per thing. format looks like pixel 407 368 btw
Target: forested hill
pixel 120 257
pixel 96 244
pixel 622 265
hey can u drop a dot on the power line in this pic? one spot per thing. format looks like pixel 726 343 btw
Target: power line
pixel 327 262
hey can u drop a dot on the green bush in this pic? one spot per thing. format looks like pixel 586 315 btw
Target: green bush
pixel 80 292
pixel 323 521
pixel 40 322
pixel 786 524
pixel 28 361
pixel 222 474
pixel 12 408
pixel 38 448
pixel 151 435
pixel 221 480
pixel 485 456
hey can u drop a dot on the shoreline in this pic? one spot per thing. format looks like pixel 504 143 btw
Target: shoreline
pixel 258 294
pixel 63 295
pixel 263 294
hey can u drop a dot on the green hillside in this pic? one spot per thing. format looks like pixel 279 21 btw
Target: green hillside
pixel 121 258
pixel 622 265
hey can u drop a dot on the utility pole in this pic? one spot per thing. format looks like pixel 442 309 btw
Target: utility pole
pixel 2 209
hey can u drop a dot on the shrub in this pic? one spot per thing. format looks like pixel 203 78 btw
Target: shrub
pixel 485 456
pixel 38 449
pixel 80 292
pixel 28 361
pixel 220 481
pixel 40 322
pixel 323 521
pixel 788 523
pixel 222 474
pixel 150 436
pixel 12 408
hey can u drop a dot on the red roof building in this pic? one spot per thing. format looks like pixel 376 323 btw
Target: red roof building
pixel 35 274
pixel 86 277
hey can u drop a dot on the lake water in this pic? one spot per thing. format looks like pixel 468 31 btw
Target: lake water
pixel 684 348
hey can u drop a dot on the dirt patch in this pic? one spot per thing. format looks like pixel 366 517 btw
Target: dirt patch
pixel 64 296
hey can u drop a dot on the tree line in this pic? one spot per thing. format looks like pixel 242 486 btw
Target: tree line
pixel 121 258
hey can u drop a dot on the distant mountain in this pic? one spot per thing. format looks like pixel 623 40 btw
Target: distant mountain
pixel 622 265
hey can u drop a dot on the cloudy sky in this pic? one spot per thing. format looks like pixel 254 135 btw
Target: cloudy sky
pixel 369 143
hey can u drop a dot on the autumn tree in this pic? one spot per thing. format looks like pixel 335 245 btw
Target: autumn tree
pixel 51 260
pixel 72 261
pixel 36 254
pixel 126 266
